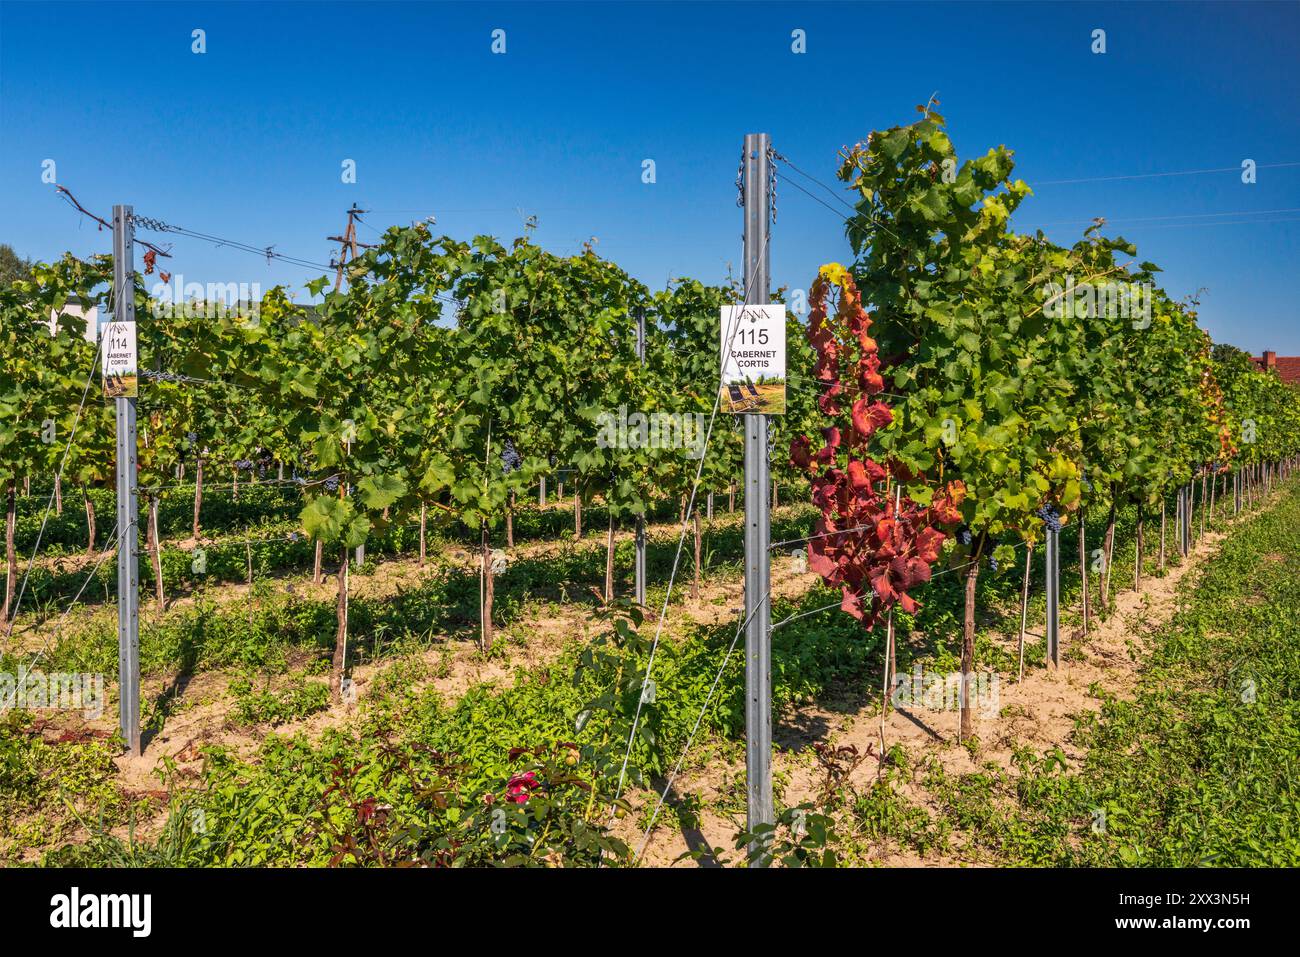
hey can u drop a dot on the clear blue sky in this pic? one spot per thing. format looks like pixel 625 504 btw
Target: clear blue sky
pixel 246 140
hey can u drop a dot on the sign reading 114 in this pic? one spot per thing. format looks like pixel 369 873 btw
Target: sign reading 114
pixel 120 361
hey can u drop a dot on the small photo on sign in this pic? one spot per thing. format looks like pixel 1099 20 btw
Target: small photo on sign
pixel 120 361
pixel 753 359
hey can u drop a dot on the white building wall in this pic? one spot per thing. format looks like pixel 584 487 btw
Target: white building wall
pixel 91 316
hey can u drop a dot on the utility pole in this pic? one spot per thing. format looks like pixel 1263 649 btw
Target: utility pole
pixel 349 243
pixel 128 551
pixel 640 521
pixel 758 570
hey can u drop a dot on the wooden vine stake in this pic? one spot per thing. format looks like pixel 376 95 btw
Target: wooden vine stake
pixel 695 587
pixel 1083 574
pixel 424 523
pixel 1137 556
pixel 198 494
pixel 1202 506
pixel 1109 544
pixel 485 589
pixel 1162 515
pixel 609 559
pixel 1024 600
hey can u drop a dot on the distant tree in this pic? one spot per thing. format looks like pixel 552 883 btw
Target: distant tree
pixel 12 266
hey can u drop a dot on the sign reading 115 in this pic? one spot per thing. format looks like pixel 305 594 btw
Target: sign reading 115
pixel 753 337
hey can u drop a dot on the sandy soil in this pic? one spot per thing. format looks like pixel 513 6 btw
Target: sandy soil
pixel 1039 712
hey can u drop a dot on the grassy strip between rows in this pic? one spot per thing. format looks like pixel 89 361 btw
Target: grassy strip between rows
pixel 280 549
pixel 1201 766
pixel 260 504
pixel 273 622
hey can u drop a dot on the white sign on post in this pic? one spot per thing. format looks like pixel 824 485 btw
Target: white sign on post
pixel 120 361
pixel 753 359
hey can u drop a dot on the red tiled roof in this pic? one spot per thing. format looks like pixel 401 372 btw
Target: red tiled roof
pixel 1288 367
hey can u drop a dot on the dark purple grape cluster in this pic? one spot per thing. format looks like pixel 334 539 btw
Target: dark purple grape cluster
pixel 511 460
pixel 332 484
pixel 963 535
pixel 192 438
pixel 244 465
pixel 1050 516
pixel 993 564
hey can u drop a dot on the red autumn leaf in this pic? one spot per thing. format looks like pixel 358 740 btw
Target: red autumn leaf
pixel 878 550
pixel 880 583
pixel 928 543
pixel 858 476
pixel 852 604
pixel 819 562
pixel 800 452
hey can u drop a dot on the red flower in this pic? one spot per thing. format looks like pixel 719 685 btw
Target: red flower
pixel 521 785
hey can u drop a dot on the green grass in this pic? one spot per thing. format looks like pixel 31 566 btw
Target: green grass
pixel 1188 772
pixel 1201 766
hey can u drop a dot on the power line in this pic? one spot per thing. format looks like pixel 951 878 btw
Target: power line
pixel 269 252
pixel 1185 172
pixel 1142 219
pixel 71 200
pixel 1234 222
pixel 833 193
